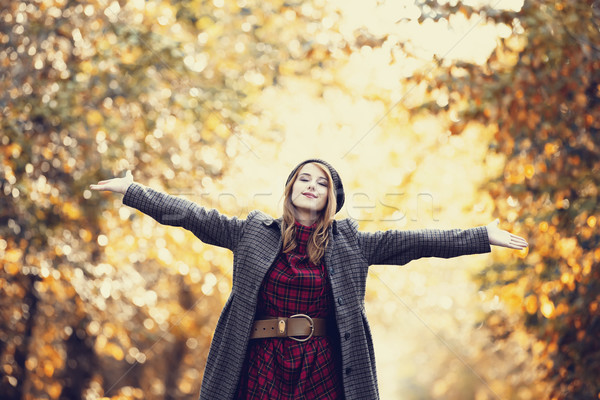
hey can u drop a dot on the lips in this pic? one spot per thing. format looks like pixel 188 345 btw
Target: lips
pixel 312 196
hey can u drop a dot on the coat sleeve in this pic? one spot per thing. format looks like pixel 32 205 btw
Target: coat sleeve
pixel 398 247
pixel 210 226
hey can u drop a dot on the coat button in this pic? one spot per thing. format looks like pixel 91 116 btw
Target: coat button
pixel 331 272
pixel 340 301
pixel 347 335
pixel 348 370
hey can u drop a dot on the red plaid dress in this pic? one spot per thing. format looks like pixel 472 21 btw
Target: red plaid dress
pixel 282 368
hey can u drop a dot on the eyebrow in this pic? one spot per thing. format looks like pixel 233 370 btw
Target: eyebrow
pixel 321 177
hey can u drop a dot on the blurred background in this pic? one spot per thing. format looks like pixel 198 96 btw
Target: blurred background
pixel 439 114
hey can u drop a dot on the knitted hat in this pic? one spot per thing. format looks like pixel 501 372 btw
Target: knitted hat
pixel 337 181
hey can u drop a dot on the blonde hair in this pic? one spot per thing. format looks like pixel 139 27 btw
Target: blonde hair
pixel 318 240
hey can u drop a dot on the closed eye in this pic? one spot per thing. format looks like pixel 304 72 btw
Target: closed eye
pixel 305 179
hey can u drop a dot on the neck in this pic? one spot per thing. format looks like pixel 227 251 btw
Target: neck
pixel 306 219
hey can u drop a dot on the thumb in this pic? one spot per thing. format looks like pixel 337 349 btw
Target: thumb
pixel 497 221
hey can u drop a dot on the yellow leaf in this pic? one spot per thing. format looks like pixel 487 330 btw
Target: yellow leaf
pixel 48 154
pixel 561 309
pixel 131 56
pixel 71 211
pixel 86 66
pixel 212 122
pixel 529 171
pixel 114 350
pixel 204 22
pixel 547 307
pixel 531 304
pixel 48 369
pixel 13 255
pixel 94 117
pixel 550 148
pixel 54 390
pixel 85 234
pixel 566 278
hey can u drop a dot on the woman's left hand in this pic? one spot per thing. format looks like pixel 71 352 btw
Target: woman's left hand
pixel 500 237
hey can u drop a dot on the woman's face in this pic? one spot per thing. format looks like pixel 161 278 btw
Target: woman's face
pixel 309 192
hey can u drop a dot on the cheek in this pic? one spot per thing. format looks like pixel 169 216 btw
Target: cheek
pixel 323 199
pixel 296 189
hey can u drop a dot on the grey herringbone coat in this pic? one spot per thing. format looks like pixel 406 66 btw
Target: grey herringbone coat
pixel 256 241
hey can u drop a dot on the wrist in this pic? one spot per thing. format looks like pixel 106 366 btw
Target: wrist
pixel 124 190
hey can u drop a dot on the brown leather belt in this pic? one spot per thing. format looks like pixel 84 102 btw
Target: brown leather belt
pixel 295 325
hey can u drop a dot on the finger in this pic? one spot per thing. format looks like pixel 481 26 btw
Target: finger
pixel 518 245
pixel 519 241
pixel 517 238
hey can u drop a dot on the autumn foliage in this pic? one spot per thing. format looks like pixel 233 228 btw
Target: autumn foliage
pixel 168 89
pixel 541 89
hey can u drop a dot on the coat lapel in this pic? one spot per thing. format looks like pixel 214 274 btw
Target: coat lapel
pixel 272 245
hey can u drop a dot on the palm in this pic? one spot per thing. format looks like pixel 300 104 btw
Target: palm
pixel 118 185
pixel 500 237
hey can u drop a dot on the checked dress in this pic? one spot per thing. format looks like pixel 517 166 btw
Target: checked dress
pixel 282 368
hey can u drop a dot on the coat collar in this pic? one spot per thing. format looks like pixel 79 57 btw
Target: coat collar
pixel 272 222
pixel 276 222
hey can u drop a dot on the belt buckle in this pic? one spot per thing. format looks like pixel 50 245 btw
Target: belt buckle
pixel 312 327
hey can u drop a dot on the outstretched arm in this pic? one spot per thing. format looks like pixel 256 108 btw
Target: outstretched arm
pixel 398 247
pixel 500 237
pixel 210 226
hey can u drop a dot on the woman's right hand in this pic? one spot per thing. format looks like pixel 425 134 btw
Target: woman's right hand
pixel 118 185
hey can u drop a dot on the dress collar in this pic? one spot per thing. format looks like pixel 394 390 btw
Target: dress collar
pixel 305 227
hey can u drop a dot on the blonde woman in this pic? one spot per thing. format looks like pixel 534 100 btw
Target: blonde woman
pixel 294 326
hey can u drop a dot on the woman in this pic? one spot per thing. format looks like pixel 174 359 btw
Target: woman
pixel 294 326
